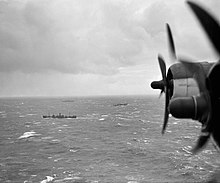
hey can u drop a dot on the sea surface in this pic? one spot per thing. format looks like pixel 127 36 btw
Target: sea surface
pixel 106 143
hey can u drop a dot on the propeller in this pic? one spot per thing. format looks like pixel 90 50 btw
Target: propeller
pixel 208 85
pixel 166 90
pixel 172 50
pixel 208 22
pixel 208 101
pixel 171 43
pixel 163 84
pixel 164 87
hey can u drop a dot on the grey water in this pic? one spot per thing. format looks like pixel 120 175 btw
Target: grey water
pixel 106 143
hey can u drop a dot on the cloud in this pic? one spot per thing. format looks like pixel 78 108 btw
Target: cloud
pixel 92 43
pixel 156 16
pixel 69 36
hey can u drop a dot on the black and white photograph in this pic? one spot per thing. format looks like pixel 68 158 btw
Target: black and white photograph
pixel 109 91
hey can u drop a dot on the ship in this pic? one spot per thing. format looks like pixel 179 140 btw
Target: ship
pixel 120 104
pixel 59 116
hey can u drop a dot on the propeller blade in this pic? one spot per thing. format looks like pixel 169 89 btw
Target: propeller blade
pixel 213 80
pixel 166 112
pixel 209 23
pixel 171 42
pixel 162 68
pixel 202 141
pixel 166 90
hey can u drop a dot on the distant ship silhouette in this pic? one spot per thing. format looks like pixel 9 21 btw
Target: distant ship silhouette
pixel 120 104
pixel 59 116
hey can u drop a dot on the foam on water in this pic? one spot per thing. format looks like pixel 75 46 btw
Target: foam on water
pixel 28 134
pixel 47 179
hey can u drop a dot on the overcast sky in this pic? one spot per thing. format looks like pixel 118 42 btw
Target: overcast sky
pixel 93 47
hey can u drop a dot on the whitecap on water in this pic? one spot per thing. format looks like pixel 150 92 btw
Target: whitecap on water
pixel 94 181
pixel 75 179
pixel 31 114
pixel 188 137
pixel 28 134
pixel 187 149
pixel 55 140
pixel 168 131
pixel 121 125
pixel 134 179
pixel 146 141
pixel 208 151
pixel 72 150
pixel 48 179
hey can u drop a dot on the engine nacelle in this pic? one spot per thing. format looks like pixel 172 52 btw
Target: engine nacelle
pixel 193 107
pixel 185 87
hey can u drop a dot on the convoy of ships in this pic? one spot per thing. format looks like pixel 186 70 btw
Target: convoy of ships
pixel 61 116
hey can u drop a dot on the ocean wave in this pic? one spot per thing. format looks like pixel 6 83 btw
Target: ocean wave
pixel 28 134
pixel 187 150
pixel 121 125
pixel 124 118
pixel 74 179
pixel 101 119
pixel 37 123
pixel 134 179
pixel 48 179
pixel 90 150
pixel 30 114
pixel 208 151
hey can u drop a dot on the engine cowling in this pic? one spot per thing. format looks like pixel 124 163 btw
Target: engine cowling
pixel 193 107
pixel 186 101
pixel 185 87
